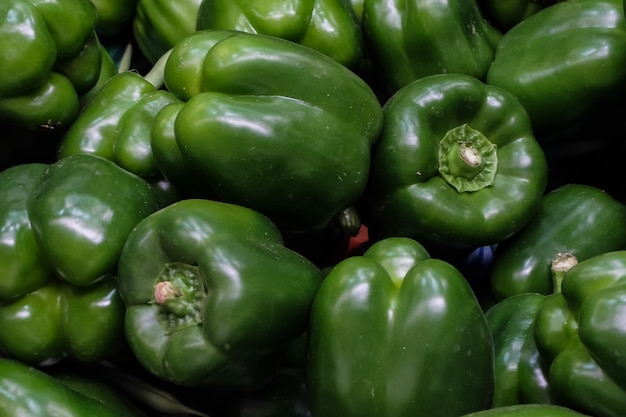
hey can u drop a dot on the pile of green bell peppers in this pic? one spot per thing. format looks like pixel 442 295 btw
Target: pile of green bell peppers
pixel 272 207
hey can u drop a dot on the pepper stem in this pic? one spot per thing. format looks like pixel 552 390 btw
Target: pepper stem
pixel 561 263
pixel 179 293
pixel 467 159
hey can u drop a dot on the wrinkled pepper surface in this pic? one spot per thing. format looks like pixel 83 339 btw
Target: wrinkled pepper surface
pixel 209 287
pixel 408 40
pixel 51 57
pixel 396 333
pixel 62 229
pixel 456 165
pixel 575 218
pixel 565 63
pixel 296 124
pixel 329 26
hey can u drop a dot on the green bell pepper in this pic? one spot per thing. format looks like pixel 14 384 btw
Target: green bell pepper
pixel 81 212
pixel 329 26
pixel 456 165
pixel 580 333
pixel 547 59
pixel 527 410
pixel 62 228
pixel 117 121
pixel 28 391
pixel 210 285
pixel 409 40
pixel 51 56
pixel 59 320
pixel 158 25
pixel 575 218
pixel 521 375
pixel 270 124
pixel 396 333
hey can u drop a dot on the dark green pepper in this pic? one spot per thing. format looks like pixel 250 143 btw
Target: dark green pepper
pixel 117 121
pixel 565 63
pixel 396 333
pixel 82 211
pixel 408 40
pixel 456 165
pixel 28 391
pixel 62 228
pixel 527 410
pixel 575 218
pixel 208 286
pixel 520 372
pixel 270 124
pixel 59 320
pixel 580 333
pixel 50 58
pixel 329 26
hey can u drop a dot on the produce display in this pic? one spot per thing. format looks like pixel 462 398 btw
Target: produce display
pixel 312 208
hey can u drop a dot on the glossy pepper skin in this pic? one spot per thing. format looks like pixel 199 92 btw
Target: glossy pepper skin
pixel 396 333
pixel 456 165
pixel 408 40
pixel 546 60
pixel 329 26
pixel 580 334
pixel 116 123
pixel 28 391
pixel 81 213
pixel 296 124
pixel 158 25
pixel 521 374
pixel 527 410
pixel 209 285
pixel 51 57
pixel 59 250
pixel 59 320
pixel 574 218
